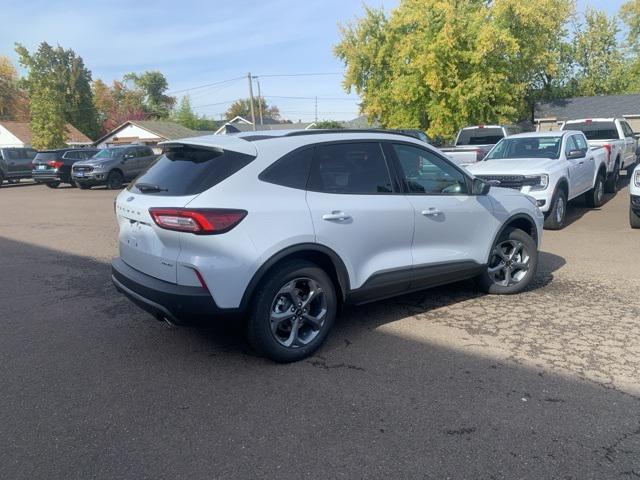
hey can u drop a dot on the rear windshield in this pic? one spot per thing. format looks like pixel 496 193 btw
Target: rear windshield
pixel 480 136
pixel 46 156
pixel 184 170
pixel 595 130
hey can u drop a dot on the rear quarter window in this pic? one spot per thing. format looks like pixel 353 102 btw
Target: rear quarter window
pixel 292 170
pixel 187 170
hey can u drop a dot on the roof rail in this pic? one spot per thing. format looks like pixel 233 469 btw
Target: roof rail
pixel 297 133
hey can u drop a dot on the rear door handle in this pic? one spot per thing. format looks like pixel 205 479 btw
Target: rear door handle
pixel 336 215
pixel 432 212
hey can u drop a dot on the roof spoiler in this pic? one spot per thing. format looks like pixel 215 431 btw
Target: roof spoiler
pixel 216 142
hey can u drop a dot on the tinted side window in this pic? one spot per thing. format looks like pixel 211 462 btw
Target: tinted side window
pixel 571 144
pixel 292 170
pixel 581 143
pixel 426 173
pixel 350 168
pixel 627 129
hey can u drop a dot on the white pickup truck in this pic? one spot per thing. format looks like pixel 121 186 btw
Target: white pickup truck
pixel 552 167
pixel 615 135
pixel 473 143
pixel 634 206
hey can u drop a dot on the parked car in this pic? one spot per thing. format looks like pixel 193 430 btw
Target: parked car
pixel 617 137
pixel 15 164
pixel 473 143
pixel 552 167
pixel 53 167
pixel 284 227
pixel 634 207
pixel 113 166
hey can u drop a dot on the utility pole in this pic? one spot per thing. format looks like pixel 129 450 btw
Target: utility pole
pixel 259 100
pixel 253 112
pixel 316 109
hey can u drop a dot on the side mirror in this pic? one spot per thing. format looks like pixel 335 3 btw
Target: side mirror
pixel 573 154
pixel 480 187
pixel 636 135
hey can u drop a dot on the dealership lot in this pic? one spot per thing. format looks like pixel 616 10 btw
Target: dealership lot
pixel 446 383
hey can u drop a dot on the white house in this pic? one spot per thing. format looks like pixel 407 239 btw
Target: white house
pixel 146 132
pixel 18 134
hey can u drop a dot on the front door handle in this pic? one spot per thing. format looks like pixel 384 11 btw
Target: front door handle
pixel 336 215
pixel 432 212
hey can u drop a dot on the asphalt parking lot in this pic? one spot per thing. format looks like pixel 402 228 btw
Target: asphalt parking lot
pixel 446 383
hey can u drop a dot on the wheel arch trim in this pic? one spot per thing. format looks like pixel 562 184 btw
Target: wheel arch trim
pixel 300 248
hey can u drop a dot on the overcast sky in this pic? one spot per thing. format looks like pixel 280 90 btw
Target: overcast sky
pixel 200 42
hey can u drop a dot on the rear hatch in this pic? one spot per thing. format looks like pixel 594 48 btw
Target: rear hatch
pixel 187 169
pixel 44 162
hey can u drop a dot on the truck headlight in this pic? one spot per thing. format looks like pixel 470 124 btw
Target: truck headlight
pixel 538 182
pixel 636 178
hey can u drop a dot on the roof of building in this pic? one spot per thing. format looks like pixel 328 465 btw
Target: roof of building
pixel 243 127
pixel 588 107
pixel 164 129
pixel 22 130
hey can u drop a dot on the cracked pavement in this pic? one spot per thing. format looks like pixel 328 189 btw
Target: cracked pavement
pixel 445 383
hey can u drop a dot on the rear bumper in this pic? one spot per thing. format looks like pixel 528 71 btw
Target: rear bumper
pixel 47 176
pixel 164 299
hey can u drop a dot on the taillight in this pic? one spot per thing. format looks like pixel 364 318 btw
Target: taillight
pixel 608 149
pixel 55 163
pixel 201 221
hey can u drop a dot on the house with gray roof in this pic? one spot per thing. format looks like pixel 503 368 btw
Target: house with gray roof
pixel 550 115
pixel 146 132
pixel 241 124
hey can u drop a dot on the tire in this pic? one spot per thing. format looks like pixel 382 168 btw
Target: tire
pixel 556 217
pixel 595 196
pixel 512 264
pixel 13 181
pixel 72 183
pixel 1 179
pixel 634 219
pixel 613 180
pixel 114 181
pixel 83 186
pixel 52 184
pixel 282 289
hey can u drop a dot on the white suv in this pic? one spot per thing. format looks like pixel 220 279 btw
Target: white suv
pixel 283 228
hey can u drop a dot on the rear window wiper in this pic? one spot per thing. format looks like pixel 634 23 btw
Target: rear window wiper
pixel 150 187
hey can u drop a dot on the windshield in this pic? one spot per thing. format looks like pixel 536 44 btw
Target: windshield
pixel 526 147
pixel 480 136
pixel 107 153
pixel 595 130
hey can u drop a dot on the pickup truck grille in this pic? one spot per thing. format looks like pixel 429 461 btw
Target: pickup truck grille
pixel 508 181
pixel 82 168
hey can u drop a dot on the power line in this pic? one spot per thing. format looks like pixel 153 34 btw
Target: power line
pixel 205 85
pixel 313 98
pixel 299 74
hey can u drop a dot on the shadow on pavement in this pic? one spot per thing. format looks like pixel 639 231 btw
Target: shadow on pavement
pixel 94 388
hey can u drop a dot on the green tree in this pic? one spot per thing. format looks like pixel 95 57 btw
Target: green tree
pixel 59 91
pixel 153 85
pixel 184 114
pixel 440 65
pixel 630 16
pixel 242 108
pixel 600 66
